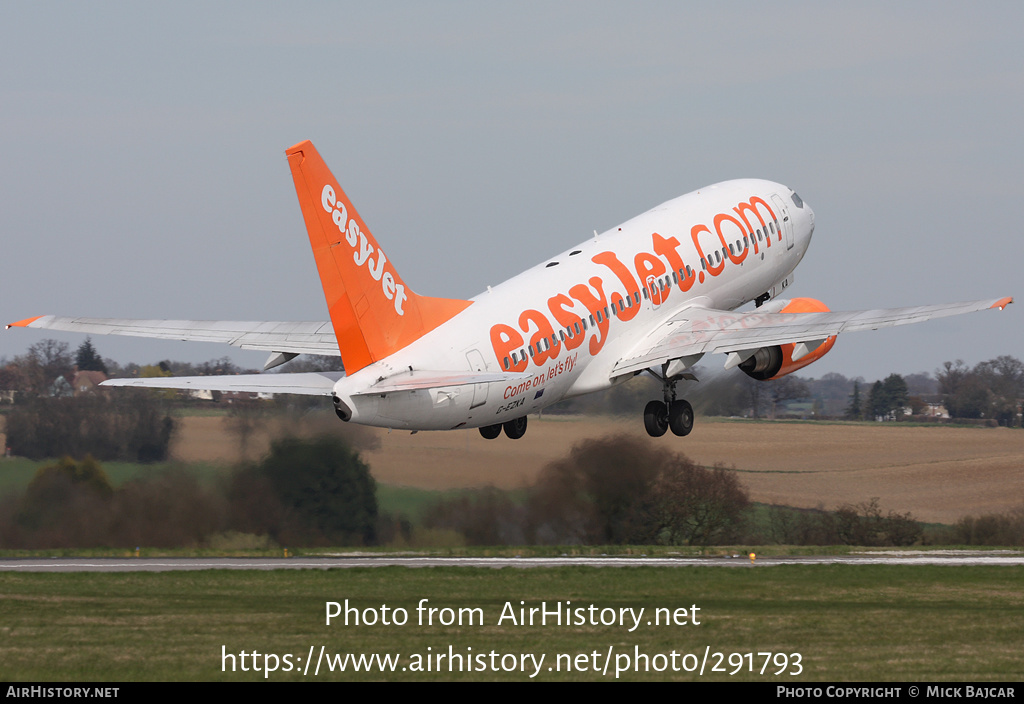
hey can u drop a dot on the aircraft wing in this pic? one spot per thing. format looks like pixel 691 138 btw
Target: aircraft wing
pixel 698 330
pixel 306 383
pixel 290 338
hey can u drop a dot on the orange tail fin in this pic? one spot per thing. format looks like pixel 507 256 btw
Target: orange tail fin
pixel 373 312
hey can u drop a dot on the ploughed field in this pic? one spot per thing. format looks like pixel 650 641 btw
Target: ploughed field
pixel 937 473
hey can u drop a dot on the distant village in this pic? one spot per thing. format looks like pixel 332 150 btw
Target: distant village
pixel 989 393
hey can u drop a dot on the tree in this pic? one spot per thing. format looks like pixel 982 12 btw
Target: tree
pixel 35 372
pixel 314 363
pixel 129 425
pixel 1003 375
pixel 486 516
pixel 60 500
pixel 698 506
pixel 991 390
pixel 971 400
pixel 624 490
pixel 245 420
pixel 320 491
pixel 950 377
pixel 598 494
pixel 921 384
pixel 896 396
pixel 887 398
pixel 875 406
pixel 785 389
pixel 756 394
pixel 864 524
pixel 1004 379
pixel 87 359
pixel 855 410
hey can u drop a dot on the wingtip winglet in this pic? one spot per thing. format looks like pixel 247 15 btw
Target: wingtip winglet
pixel 1003 302
pixel 23 323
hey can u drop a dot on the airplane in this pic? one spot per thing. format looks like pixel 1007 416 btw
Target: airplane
pixel 654 294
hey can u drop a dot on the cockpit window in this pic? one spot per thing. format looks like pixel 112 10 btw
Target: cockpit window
pixel 797 200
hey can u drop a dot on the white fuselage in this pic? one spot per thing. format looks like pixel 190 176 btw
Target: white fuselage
pixel 732 242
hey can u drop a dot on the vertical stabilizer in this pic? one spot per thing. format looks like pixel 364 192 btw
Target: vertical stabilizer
pixel 373 312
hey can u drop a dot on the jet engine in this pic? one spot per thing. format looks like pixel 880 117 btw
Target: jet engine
pixel 779 360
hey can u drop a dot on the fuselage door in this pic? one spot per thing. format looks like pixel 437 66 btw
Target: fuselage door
pixel 784 222
pixel 477 364
pixel 654 287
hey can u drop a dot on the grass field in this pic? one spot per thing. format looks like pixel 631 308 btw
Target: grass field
pixel 852 623
pixel 848 623
pixel 938 473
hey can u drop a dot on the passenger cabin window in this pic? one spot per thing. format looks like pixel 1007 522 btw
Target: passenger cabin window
pixel 550 264
pixel 574 252
pixel 507 365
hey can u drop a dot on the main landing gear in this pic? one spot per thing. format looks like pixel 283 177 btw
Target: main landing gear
pixel 673 414
pixel 514 429
pixel 660 416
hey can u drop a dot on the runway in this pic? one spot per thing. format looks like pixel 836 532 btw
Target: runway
pixel 951 558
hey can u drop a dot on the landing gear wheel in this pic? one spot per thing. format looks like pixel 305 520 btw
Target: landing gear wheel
pixel 680 417
pixel 491 431
pixel 515 429
pixel 656 418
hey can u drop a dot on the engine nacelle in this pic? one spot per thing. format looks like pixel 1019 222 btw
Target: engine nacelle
pixel 777 361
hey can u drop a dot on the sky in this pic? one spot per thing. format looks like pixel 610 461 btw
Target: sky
pixel 143 171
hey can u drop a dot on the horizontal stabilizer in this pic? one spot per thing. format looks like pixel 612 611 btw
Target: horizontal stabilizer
pixel 306 383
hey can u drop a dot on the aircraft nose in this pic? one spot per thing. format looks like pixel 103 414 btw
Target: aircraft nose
pixel 805 228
